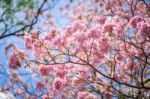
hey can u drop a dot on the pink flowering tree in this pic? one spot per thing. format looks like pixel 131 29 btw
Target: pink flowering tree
pixel 104 51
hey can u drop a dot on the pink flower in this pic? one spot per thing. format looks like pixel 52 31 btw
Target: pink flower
pixel 76 26
pixel 58 42
pixel 115 76
pixel 60 73
pixel 95 59
pixel 119 57
pixel 57 84
pixel 144 28
pixel 107 27
pixel 67 80
pixel 99 19
pixel 69 30
pixel 108 96
pixel 103 45
pixel 15 59
pixel 96 1
pixel 132 65
pixel 28 42
pixel 38 48
pixel 119 30
pixel 51 34
pixel 134 20
pixel 81 37
pixel 14 62
pixel 35 34
pixel 30 39
pixel 39 85
pixel 125 79
pixel 77 81
pixel 94 33
pixel 45 96
pixel 44 70
pixel 85 95
pixel 32 97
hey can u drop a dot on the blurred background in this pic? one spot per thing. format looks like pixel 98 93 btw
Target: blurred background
pixel 18 17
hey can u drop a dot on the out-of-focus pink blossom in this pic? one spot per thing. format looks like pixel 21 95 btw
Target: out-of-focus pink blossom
pixel 134 20
pixel 119 57
pixel 57 84
pixel 76 26
pixel 77 81
pixel 51 34
pixel 119 30
pixel 81 37
pixel 107 27
pixel 96 1
pixel 60 73
pixel 85 95
pixel 31 38
pixel 44 70
pixel 95 59
pixel 115 76
pixel 28 42
pixel 99 19
pixel 144 28
pixel 103 45
pixel 94 33
pixel 15 59
pixel 58 42
pixel 39 85
pixel 45 96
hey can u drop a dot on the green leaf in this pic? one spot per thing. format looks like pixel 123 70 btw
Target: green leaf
pixel 8 2
pixel 31 4
pixel 120 96
pixel 147 84
pixel 20 23
pixel 21 3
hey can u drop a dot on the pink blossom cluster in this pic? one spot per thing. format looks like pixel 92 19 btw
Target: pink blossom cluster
pixel 30 39
pixel 64 77
pixel 134 20
pixel 32 43
pixel 94 47
pixel 141 24
pixel 85 95
pixel 44 70
pixel 99 19
pixel 39 85
pixel 15 59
